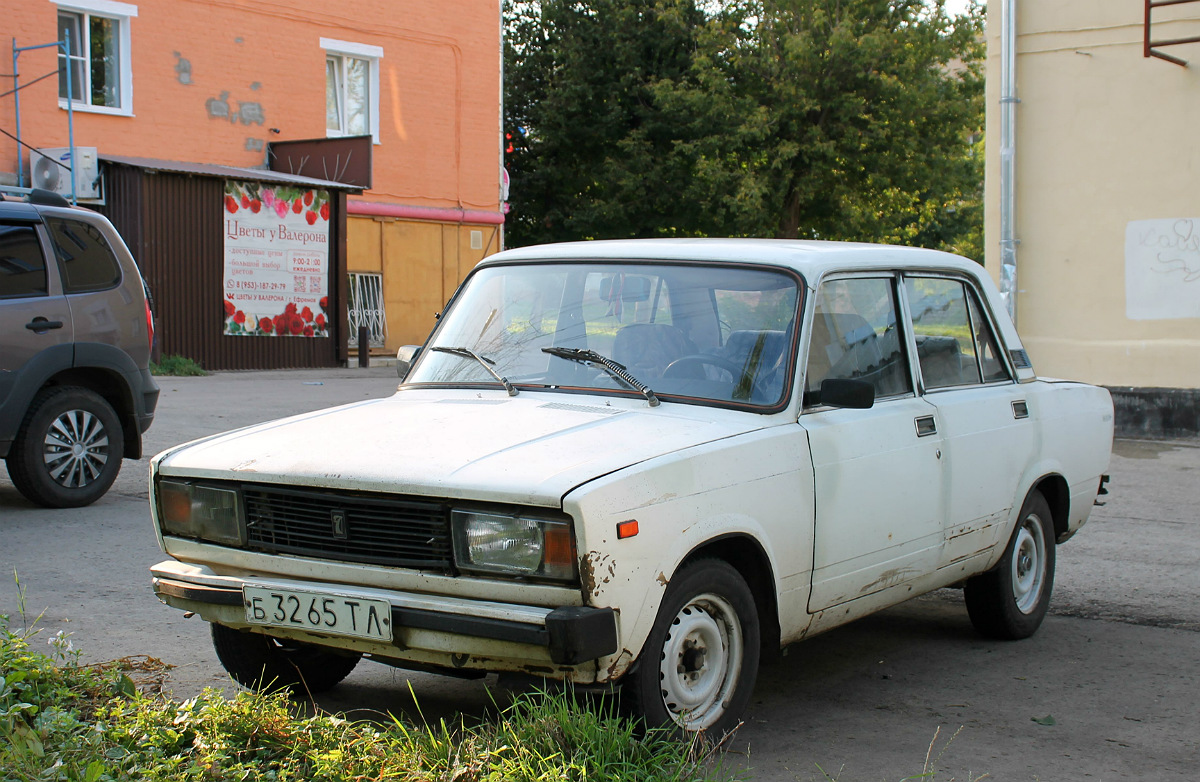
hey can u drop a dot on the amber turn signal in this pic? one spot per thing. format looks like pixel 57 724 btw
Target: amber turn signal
pixel 627 529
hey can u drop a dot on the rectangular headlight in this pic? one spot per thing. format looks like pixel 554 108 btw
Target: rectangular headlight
pixel 514 545
pixel 203 512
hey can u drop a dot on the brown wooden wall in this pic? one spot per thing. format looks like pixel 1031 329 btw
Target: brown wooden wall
pixel 174 226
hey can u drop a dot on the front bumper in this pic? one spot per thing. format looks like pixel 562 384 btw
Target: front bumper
pixel 570 634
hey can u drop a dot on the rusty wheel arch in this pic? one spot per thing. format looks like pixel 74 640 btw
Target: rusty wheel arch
pixel 746 555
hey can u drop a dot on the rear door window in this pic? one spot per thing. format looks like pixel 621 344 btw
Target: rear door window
pixel 22 264
pixel 87 260
pixel 955 344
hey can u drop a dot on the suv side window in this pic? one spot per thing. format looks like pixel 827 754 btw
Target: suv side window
pixel 88 262
pixel 955 345
pixel 22 265
pixel 855 336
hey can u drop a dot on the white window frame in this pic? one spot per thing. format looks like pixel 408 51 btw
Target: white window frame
pixel 360 51
pixel 121 13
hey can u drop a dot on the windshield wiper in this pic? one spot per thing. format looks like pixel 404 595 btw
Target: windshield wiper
pixel 484 362
pixel 613 368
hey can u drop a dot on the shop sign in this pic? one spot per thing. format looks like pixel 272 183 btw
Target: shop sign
pixel 276 279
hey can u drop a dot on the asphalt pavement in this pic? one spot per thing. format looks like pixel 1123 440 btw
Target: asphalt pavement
pixel 1108 689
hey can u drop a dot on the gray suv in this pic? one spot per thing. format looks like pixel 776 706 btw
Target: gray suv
pixel 75 335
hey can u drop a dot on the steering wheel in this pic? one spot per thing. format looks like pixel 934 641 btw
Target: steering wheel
pixel 692 366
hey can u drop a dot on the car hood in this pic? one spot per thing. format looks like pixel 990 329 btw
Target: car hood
pixel 530 449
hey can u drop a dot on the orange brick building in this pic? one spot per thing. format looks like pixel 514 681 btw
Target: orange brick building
pixel 219 81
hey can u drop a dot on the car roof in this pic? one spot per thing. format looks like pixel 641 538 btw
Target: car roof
pixel 17 210
pixel 812 259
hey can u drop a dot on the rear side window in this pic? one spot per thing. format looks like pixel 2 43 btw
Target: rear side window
pixel 955 344
pixel 22 265
pixel 87 260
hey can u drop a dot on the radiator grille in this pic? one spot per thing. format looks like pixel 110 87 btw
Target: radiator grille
pixel 349 527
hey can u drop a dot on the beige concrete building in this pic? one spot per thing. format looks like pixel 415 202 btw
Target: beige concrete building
pixel 1106 187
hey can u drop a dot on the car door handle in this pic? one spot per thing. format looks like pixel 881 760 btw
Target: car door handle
pixel 41 324
pixel 1020 409
pixel 926 426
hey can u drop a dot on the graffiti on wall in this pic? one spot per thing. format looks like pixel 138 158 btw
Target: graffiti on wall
pixel 183 69
pixel 221 107
pixel 1162 268
pixel 247 112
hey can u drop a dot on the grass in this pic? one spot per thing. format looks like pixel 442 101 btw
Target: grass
pixel 60 720
pixel 177 366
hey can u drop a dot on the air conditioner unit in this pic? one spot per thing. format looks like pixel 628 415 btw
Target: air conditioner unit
pixel 46 173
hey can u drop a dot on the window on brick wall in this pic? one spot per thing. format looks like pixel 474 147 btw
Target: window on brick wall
pixel 351 88
pixel 98 73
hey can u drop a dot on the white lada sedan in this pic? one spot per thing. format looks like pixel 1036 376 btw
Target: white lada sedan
pixel 647 463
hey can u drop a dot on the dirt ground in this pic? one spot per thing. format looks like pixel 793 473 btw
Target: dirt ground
pixel 1108 689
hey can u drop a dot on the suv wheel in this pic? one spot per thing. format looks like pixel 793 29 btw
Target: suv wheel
pixel 68 450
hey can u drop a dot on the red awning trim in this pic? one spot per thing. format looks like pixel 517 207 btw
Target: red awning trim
pixel 437 214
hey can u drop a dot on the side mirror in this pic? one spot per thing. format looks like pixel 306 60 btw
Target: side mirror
pixel 845 392
pixel 405 357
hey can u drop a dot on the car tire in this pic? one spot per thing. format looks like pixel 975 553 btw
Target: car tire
pixel 266 664
pixel 68 450
pixel 1009 601
pixel 698 666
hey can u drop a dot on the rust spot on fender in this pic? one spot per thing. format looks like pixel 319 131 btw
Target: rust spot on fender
pixel 662 578
pixel 619 664
pixel 596 570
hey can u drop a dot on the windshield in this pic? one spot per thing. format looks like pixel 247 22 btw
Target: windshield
pixel 691 332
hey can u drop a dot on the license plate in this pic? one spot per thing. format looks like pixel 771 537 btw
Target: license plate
pixel 318 612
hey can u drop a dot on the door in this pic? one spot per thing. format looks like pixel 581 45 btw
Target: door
pixel 878 474
pixel 982 411
pixel 34 314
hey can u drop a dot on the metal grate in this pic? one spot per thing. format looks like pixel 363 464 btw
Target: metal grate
pixel 365 528
pixel 365 308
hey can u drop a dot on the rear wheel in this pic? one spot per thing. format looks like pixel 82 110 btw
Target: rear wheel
pixel 68 450
pixel 265 664
pixel 698 667
pixel 1010 600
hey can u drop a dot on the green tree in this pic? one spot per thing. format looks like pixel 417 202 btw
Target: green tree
pixel 593 153
pixel 832 119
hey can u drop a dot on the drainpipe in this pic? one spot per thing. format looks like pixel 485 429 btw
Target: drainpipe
pixel 1008 151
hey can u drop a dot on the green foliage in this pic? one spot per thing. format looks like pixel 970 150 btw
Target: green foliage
pixel 829 119
pixel 177 366
pixel 46 705
pixel 63 721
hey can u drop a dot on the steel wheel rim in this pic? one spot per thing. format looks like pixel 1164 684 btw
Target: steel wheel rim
pixel 1029 564
pixel 700 663
pixel 75 449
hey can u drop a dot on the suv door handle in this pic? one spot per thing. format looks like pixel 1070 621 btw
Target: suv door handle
pixel 41 325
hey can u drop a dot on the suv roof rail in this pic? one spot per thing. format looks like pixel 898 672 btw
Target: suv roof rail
pixel 36 195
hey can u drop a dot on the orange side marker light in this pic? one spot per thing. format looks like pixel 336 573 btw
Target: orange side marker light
pixel 627 529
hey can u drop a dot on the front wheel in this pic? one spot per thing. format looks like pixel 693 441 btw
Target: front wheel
pixel 265 664
pixel 697 669
pixel 1009 601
